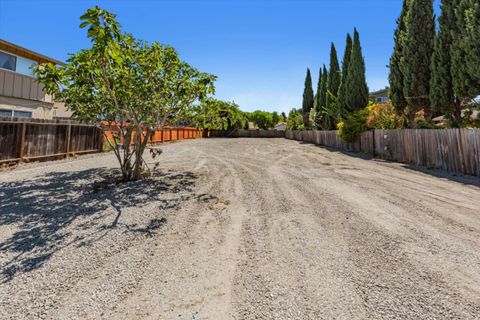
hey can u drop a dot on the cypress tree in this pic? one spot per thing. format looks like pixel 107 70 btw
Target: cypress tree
pixel 417 55
pixel 342 104
pixel 356 85
pixel 321 99
pixel 465 50
pixel 442 97
pixel 317 95
pixel 322 96
pixel 307 99
pixel 334 78
pixel 395 77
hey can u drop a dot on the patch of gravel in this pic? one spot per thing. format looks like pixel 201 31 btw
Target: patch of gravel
pixel 239 229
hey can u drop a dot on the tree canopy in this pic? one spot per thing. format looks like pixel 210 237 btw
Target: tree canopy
pixel 126 84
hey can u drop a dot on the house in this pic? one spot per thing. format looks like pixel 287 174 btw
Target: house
pixel 380 96
pixel 281 126
pixel 20 95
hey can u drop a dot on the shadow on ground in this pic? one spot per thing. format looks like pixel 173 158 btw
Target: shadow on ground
pixel 41 210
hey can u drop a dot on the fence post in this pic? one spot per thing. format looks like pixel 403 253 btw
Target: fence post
pixel 22 141
pixel 69 133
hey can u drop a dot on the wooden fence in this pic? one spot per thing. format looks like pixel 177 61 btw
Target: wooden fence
pixel 31 140
pixel 247 133
pixel 454 150
pixel 35 140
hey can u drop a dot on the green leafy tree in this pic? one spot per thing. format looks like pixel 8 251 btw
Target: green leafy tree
pixel 442 96
pixel 275 118
pixel 466 50
pixel 126 85
pixel 263 120
pixel 342 102
pixel 295 120
pixel 307 104
pixel 356 85
pixel 395 77
pixel 283 117
pixel 416 59
pixel 219 115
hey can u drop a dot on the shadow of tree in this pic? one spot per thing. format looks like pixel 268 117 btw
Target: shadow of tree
pixel 41 210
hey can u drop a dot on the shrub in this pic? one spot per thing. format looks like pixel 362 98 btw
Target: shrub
pixel 382 116
pixel 353 126
pixel 295 120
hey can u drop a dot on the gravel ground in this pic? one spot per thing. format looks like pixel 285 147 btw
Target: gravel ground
pixel 239 229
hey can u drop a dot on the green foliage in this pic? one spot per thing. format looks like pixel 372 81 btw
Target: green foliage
pixel 395 77
pixel 382 116
pixel 283 117
pixel 356 94
pixel 342 102
pixel 295 120
pixel 334 78
pixel 275 119
pixel 353 125
pixel 134 86
pixel 317 101
pixel 264 120
pixel 466 49
pixel 417 54
pixel 322 94
pixel 219 115
pixel 307 104
pixel 317 119
pixel 442 96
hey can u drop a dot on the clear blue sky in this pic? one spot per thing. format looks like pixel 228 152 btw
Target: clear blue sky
pixel 258 49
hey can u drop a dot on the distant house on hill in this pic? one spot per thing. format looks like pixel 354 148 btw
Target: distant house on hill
pixel 380 96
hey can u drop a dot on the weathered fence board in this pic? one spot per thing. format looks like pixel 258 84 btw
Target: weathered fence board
pixel 454 150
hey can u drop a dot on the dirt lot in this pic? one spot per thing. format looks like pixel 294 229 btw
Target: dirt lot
pixel 239 229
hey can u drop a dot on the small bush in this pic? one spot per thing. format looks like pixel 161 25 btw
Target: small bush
pixel 382 116
pixel 353 126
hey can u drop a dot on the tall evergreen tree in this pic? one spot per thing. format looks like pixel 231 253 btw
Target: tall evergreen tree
pixel 442 97
pixel 307 99
pixel 322 106
pixel 395 77
pixel 465 49
pixel 356 84
pixel 417 55
pixel 334 78
pixel 317 94
pixel 342 104
pixel 322 95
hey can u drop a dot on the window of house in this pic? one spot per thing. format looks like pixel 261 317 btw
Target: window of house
pixel 24 66
pixel 22 114
pixel 8 61
pixel 17 64
pixel 5 113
